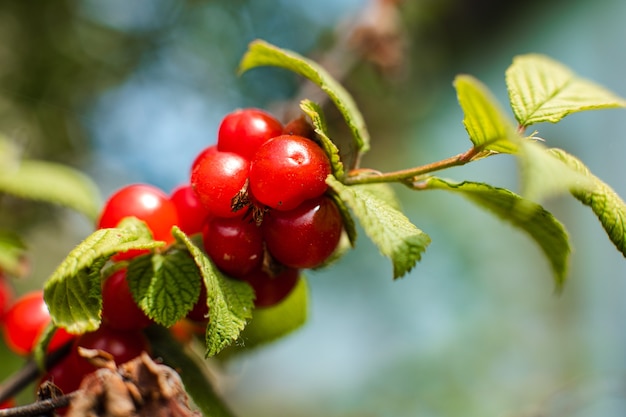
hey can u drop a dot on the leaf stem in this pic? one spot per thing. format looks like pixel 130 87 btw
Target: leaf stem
pixel 410 175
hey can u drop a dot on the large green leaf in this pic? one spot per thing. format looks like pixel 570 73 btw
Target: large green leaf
pixel 73 292
pixel 230 301
pixel 530 217
pixel 543 90
pixel 165 286
pixel 261 53
pixel 489 129
pixel 390 230
pixel 601 198
pixel 52 183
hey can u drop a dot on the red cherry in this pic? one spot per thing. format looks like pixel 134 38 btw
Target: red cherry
pixel 119 310
pixel 305 236
pixel 270 290
pixel 6 295
pixel 244 130
pixel 145 202
pixel 191 213
pixel 234 244
pixel 26 320
pixel 217 179
pixel 287 170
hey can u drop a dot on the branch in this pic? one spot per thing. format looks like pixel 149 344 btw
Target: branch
pixel 40 408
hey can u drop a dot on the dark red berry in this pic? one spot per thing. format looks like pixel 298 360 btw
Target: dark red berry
pixel 234 244
pixel 270 290
pixel 244 130
pixel 288 170
pixel 119 310
pixel 305 236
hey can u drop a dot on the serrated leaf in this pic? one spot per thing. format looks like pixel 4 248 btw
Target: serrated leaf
pixel 165 286
pixel 271 323
pixel 230 301
pixel 73 292
pixel 390 230
pixel 12 254
pixel 489 129
pixel 544 90
pixel 606 204
pixel 191 371
pixel 544 175
pixel 261 53
pixel 530 217
pixel 314 111
pixel 52 183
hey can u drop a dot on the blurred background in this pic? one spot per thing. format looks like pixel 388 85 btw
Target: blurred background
pixel 131 91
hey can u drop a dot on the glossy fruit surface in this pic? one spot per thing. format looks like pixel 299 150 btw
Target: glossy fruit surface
pixel 305 236
pixel 245 130
pixel 191 213
pixel 271 290
pixel 217 179
pixel 119 310
pixel 287 170
pixel 147 203
pixel 234 244
pixel 26 320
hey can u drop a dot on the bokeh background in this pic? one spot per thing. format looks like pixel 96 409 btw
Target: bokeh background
pixel 131 91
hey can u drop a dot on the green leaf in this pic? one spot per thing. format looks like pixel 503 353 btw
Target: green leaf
pixel 530 217
pixel 191 370
pixel 166 287
pixel 52 183
pixel 543 174
pixel 390 230
pixel 12 254
pixel 230 301
pixel 314 111
pixel 261 53
pixel 544 90
pixel 601 198
pixel 489 129
pixel 271 323
pixel 73 292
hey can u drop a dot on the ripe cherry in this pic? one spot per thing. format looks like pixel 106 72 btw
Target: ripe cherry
pixel 234 244
pixel 6 295
pixel 147 203
pixel 191 213
pixel 26 320
pixel 119 310
pixel 270 290
pixel 203 153
pixel 244 130
pixel 200 311
pixel 305 236
pixel 287 170
pixel 217 179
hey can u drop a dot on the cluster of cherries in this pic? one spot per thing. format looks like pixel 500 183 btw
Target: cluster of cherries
pixel 259 200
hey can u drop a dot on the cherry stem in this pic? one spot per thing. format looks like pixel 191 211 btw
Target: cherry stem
pixel 40 408
pixel 29 373
pixel 410 175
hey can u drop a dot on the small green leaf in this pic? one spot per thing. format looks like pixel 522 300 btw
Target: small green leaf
pixel 261 53
pixel 543 174
pixel 191 371
pixel 390 230
pixel 52 183
pixel 73 292
pixel 12 254
pixel 489 129
pixel 601 198
pixel 544 90
pixel 271 323
pixel 230 301
pixel 165 286
pixel 530 217
pixel 314 111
